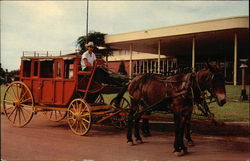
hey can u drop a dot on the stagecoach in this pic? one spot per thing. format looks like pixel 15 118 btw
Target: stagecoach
pixel 56 86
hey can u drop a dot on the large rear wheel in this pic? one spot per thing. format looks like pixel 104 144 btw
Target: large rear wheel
pixel 18 104
pixel 79 116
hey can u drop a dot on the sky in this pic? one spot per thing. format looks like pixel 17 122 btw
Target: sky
pixel 56 25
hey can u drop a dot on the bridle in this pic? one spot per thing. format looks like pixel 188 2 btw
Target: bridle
pixel 210 89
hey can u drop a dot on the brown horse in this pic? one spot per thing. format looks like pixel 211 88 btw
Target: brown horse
pixel 177 94
pixel 211 79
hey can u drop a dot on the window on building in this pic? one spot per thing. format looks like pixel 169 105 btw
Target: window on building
pixel 26 68
pixel 46 69
pixel 68 69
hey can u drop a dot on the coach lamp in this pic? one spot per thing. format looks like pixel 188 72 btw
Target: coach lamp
pixel 243 67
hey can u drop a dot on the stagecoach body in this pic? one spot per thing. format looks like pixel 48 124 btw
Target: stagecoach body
pixel 52 81
pixel 56 86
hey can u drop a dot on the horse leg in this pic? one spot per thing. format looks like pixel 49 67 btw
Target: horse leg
pixel 137 130
pixel 179 147
pixel 190 142
pixel 145 127
pixel 134 104
pixel 130 128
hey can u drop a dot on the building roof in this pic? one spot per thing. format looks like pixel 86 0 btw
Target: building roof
pixel 181 35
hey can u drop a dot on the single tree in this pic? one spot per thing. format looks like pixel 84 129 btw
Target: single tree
pixel 96 37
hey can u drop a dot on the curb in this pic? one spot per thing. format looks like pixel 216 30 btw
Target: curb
pixel 228 129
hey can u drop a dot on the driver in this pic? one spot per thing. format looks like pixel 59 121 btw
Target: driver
pixel 88 57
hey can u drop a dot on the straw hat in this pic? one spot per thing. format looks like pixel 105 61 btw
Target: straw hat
pixel 89 44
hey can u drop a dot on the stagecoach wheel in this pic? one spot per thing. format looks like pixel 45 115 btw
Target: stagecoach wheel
pixel 99 99
pixel 119 120
pixel 79 117
pixel 55 115
pixel 18 104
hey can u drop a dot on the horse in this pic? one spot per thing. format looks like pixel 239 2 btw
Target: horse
pixel 176 93
pixel 209 79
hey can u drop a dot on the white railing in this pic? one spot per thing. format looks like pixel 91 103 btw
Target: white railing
pixel 48 53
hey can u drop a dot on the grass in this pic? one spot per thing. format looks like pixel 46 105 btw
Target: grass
pixel 233 110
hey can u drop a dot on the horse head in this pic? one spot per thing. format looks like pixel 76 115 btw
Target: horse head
pixel 212 79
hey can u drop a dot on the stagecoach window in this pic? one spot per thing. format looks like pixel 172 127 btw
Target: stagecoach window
pixel 35 68
pixel 69 68
pixel 59 69
pixel 26 68
pixel 46 69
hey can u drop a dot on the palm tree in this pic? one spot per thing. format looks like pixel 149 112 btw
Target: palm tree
pixel 96 37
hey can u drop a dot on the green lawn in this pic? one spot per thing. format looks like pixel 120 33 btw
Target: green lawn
pixel 233 110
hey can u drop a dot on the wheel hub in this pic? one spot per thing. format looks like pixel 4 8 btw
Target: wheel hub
pixel 78 116
pixel 17 104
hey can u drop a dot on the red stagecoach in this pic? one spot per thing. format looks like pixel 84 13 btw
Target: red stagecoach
pixel 56 86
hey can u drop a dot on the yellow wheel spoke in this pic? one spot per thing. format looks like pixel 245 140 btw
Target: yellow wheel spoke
pixel 8 101
pixel 15 117
pixel 23 114
pixel 84 110
pixel 80 127
pixel 17 92
pixel 73 122
pixel 12 112
pixel 60 113
pixel 26 109
pixel 23 95
pixel 55 115
pixel 84 125
pixel 19 116
pixel 85 120
pixel 80 107
pixel 51 114
pixel 84 115
pixel 14 92
pixel 26 100
pixel 74 107
pixel 77 125
pixel 9 108
pixel 10 96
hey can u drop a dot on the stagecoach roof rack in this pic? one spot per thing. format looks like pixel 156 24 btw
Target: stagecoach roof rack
pixel 65 54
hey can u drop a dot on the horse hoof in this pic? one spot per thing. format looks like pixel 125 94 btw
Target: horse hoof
pixel 190 143
pixel 178 154
pixel 185 151
pixel 139 141
pixel 130 143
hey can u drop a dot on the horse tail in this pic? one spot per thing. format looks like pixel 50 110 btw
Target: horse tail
pixel 121 94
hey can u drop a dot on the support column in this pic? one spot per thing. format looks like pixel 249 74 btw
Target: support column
pixel 159 56
pixel 147 66
pixel 130 61
pixel 193 54
pixel 235 59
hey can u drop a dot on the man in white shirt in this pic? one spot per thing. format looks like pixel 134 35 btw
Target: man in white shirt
pixel 88 57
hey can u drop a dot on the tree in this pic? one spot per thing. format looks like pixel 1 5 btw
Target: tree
pixel 96 37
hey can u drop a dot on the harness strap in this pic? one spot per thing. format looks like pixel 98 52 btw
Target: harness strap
pixel 164 100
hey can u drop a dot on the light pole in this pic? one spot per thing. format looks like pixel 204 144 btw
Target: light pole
pixel 87 21
pixel 243 84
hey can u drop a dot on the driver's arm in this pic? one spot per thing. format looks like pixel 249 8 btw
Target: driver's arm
pixel 86 62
